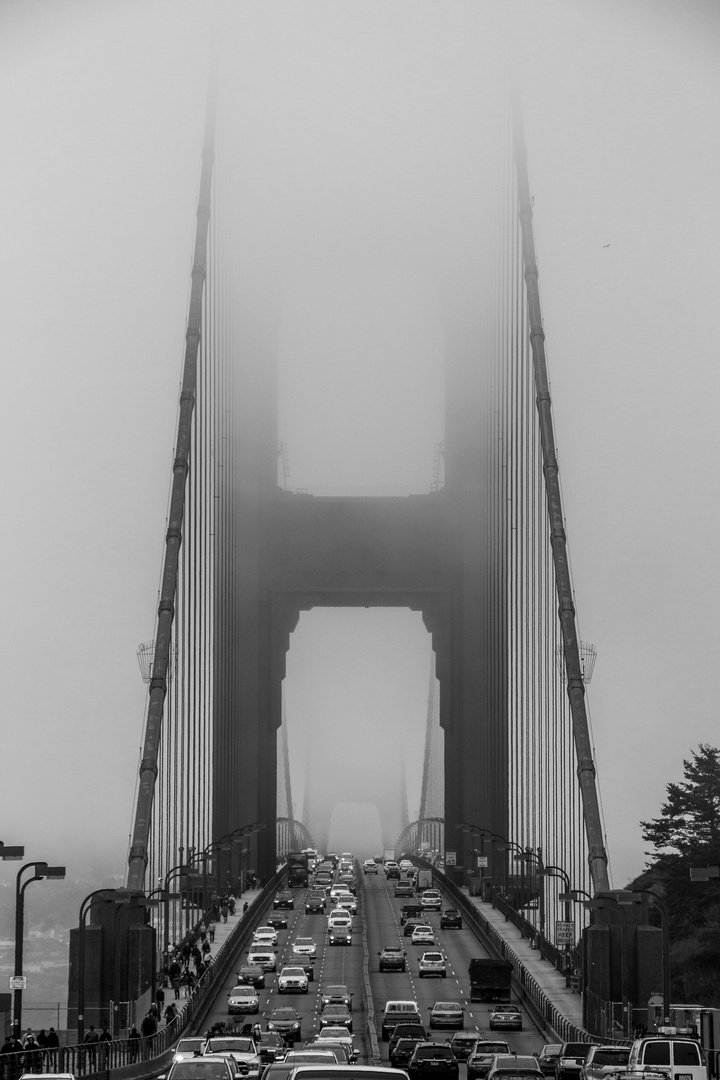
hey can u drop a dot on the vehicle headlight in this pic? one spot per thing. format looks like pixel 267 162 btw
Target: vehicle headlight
pixel 296 1025
pixel 270 1026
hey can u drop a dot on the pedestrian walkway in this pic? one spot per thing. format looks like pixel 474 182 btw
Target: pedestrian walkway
pixel 549 979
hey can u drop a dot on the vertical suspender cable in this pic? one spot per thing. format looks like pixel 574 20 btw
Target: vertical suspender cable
pixel 575 686
pixel 166 607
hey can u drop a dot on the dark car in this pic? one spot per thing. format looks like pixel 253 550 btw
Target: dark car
pixel 481 1058
pixel 407 1031
pixel 571 1058
pixel 451 919
pixel 515 1067
pixel 336 994
pixel 462 1043
pixel 284 899
pixel 270 1046
pixel 409 911
pixel 392 872
pixel 603 1060
pixel 336 1016
pixel 253 975
pixel 411 924
pixel 314 903
pixel 393 958
pixel 548 1058
pixel 400 1051
pixel 433 1059
pixel 278 920
pixel 286 1022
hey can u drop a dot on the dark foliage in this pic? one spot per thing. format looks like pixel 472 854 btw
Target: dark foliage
pixel 687 834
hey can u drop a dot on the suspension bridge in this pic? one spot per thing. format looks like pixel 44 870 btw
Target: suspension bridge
pixel 508 781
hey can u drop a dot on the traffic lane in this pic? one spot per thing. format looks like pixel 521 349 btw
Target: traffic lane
pixel 458 946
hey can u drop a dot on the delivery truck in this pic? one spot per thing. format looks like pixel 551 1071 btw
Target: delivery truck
pixel 490 980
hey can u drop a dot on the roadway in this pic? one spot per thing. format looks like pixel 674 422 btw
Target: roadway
pixel 379 915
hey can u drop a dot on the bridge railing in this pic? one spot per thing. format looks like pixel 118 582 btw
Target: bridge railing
pixel 136 1059
pixel 531 988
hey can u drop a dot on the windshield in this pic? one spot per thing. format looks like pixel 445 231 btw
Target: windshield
pixel 238 1046
pixel 190 1070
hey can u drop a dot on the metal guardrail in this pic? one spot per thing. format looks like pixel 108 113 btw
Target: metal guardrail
pixel 138 1059
pixel 566 1030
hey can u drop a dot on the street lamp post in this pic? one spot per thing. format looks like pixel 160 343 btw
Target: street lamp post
pixel 557 871
pixel 42 870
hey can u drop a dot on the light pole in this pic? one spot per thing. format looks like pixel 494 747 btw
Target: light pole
pixel 42 870
pixel 557 871
pixel 665 947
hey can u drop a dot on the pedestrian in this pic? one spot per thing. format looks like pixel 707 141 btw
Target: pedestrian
pixel 52 1043
pixel 160 997
pixel 10 1052
pixel 170 1013
pixel 206 950
pixel 176 984
pixel 148 1028
pixel 245 907
pixel 90 1041
pixel 104 1041
pixel 134 1043
pixel 231 905
pixel 224 911
pixel 211 929
pixel 32 1054
pixel 202 931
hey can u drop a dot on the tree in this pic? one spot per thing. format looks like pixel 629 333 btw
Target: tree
pixel 687 834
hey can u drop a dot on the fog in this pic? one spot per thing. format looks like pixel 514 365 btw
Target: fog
pixel 356 164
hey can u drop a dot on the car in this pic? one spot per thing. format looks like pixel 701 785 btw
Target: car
pixel 264 958
pixel 315 903
pixel 423 935
pixel 346 903
pixel 242 1050
pixel 203 1068
pixel 278 920
pixel 409 911
pixel 400 1051
pixel 292 979
pixel 451 919
pixel 433 1059
pixel 603 1060
pixel 336 1016
pixel 431 900
pixel 462 1043
pixel 265 936
pixel 571 1058
pixel 412 923
pixel 340 935
pixel 447 1014
pixel 403 888
pixel 311 1057
pixel 336 994
pixel 370 867
pixel 305 946
pixel 338 890
pixel 514 1066
pixel 400 1011
pixel 339 1072
pixel 345 1046
pixel 505 1018
pixel 339 918
pixel 189 1048
pixel 392 871
pixel 393 958
pixel 338 1033
pixel 432 963
pixel 253 975
pixel 481 1058
pixel 270 1046
pixel 307 963
pixel 286 1022
pixel 410 1030
pixel 547 1058
pixel 348 880
pixel 283 899
pixel 243 999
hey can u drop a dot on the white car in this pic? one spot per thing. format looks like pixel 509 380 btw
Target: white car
pixel 243 999
pixel 431 900
pixel 432 963
pixel 305 946
pixel 336 891
pixel 346 903
pixel 292 979
pixel 265 936
pixel 340 918
pixel 262 958
pixel 370 867
pixel 423 935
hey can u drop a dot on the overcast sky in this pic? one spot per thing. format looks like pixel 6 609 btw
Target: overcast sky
pixel 101 108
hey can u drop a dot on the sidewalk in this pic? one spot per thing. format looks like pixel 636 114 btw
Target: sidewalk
pixel 567 1003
